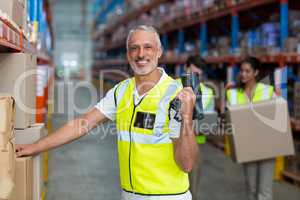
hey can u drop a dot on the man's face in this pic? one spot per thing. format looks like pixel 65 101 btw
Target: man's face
pixel 143 52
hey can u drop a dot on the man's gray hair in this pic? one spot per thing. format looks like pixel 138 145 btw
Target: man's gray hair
pixel 146 28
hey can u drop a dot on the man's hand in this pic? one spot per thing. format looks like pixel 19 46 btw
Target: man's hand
pixel 26 150
pixel 187 98
pixel 71 131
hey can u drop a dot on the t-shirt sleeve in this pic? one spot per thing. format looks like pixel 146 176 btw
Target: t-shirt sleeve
pixel 107 104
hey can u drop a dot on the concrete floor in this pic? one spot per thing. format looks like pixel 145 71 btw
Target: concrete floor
pixel 88 169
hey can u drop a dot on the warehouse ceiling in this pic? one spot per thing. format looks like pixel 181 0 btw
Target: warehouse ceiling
pixel 72 16
pixel 71 23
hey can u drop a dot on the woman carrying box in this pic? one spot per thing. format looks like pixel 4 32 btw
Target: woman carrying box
pixel 258 174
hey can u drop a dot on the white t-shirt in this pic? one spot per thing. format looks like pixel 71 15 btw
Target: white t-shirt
pixel 108 108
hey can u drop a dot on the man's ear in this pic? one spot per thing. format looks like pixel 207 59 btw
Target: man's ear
pixel 256 73
pixel 160 52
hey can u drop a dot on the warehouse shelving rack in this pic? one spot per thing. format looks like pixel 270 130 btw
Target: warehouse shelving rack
pixel 127 17
pixel 202 18
pixel 13 40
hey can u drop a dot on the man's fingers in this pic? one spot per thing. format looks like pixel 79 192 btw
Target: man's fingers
pixel 21 150
pixel 189 89
pixel 186 94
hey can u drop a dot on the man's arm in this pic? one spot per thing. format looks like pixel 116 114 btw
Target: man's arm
pixel 185 147
pixel 69 132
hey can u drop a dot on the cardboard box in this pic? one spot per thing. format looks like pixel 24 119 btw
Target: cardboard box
pixel 7 171
pixel 260 131
pixel 28 136
pixel 24 178
pixel 7 160
pixel 14 67
pixel 7 112
pixel 15 10
pixel 7 106
pixel 291 45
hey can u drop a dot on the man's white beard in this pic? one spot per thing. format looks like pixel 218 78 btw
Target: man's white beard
pixel 142 72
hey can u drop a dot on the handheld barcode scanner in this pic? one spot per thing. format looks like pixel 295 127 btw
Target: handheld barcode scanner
pixel 190 80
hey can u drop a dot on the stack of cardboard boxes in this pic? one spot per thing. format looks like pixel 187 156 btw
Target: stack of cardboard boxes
pixel 20 178
pixel 16 174
pixel 18 79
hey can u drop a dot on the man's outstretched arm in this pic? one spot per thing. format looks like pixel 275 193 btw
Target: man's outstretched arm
pixel 69 132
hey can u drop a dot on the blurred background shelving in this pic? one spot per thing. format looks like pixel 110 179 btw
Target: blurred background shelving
pixel 73 45
pixel 26 28
pixel 221 31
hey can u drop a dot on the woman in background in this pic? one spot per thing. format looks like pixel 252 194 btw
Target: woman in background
pixel 259 174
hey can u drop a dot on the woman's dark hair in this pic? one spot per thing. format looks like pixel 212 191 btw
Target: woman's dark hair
pixel 197 61
pixel 254 62
pixel 255 65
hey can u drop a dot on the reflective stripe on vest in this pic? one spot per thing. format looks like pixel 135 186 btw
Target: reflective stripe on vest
pixel 143 138
pixel 233 97
pixel 207 95
pixel 121 90
pixel 161 113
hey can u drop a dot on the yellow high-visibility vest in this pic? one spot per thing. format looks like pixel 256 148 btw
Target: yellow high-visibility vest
pixel 146 154
pixel 238 96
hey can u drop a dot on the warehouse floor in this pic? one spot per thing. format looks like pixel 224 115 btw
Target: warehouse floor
pixel 88 169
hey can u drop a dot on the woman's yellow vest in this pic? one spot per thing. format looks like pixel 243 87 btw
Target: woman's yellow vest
pixel 238 96
pixel 146 156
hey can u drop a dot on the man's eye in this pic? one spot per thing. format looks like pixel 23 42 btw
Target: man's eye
pixel 148 47
pixel 133 48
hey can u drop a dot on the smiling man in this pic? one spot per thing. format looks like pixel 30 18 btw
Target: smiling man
pixel 155 151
